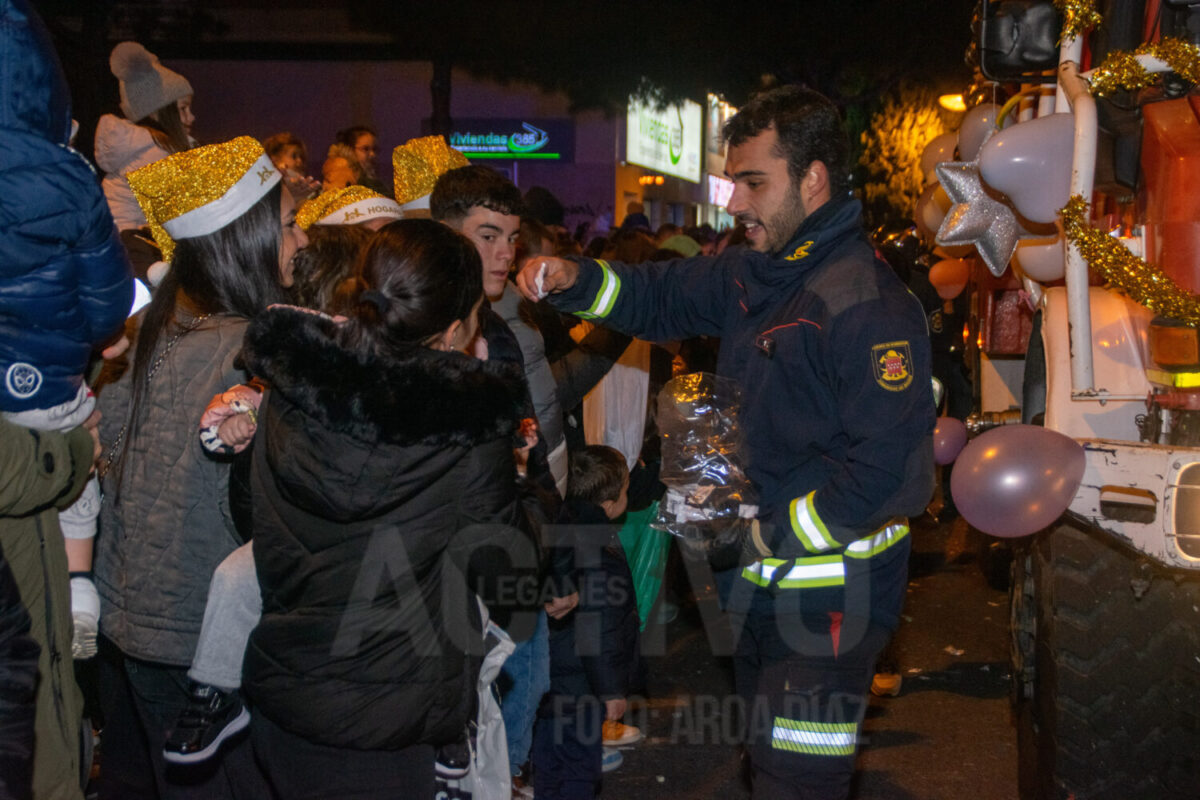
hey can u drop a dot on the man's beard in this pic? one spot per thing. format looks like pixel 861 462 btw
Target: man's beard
pixel 783 225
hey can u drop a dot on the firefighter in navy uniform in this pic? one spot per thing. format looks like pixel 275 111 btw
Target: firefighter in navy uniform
pixel 832 354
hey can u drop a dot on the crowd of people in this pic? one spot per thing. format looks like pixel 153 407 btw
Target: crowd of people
pixel 357 441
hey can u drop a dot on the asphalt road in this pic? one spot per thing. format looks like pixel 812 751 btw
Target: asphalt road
pixel 948 735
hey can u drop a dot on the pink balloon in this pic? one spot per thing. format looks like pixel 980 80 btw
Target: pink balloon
pixel 977 126
pixel 949 438
pixel 950 277
pixel 1031 163
pixel 1043 259
pixel 1016 479
pixel 939 149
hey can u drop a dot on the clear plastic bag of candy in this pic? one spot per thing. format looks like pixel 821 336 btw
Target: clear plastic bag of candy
pixel 709 498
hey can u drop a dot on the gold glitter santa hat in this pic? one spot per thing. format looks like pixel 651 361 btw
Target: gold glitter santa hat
pixel 352 205
pixel 417 164
pixel 197 192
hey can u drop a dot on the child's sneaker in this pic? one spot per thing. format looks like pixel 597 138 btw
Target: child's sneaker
pixel 85 613
pixel 211 717
pixel 617 734
pixel 612 759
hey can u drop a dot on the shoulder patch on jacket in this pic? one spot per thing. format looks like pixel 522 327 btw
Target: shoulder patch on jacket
pixel 892 362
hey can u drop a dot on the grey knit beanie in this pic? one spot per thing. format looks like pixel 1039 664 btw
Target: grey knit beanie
pixel 146 85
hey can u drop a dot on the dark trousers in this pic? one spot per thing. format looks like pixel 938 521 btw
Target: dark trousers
pixel 301 770
pixel 567 749
pixel 140 702
pixel 804 700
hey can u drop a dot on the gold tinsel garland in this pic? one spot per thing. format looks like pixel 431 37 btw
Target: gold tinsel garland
pixel 1145 283
pixel 1078 16
pixel 1120 70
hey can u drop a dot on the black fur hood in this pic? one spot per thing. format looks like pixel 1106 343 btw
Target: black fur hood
pixel 427 397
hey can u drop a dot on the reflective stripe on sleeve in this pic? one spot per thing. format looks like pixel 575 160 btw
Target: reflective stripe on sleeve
pixel 808 527
pixel 873 545
pixel 610 287
pixel 814 738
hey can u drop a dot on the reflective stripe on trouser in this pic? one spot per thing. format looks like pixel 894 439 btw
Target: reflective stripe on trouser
pixel 814 738
pixel 803 712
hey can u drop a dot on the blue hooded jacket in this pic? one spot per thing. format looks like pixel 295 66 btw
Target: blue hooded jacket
pixel 65 282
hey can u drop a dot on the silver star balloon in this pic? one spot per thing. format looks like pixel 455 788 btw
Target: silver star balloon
pixel 978 217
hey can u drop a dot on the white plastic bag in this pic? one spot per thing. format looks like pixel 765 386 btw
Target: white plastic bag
pixel 488 777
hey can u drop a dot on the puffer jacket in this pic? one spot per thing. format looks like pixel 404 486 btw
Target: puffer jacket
pixel 378 485
pixel 121 147
pixel 65 284
pixel 169 525
pixel 41 472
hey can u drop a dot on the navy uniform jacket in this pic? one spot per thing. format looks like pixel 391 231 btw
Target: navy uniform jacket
pixel 832 353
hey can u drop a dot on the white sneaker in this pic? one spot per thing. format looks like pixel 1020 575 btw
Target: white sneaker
pixel 85 612
pixel 612 759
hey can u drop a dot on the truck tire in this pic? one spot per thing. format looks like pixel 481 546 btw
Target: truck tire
pixel 1115 713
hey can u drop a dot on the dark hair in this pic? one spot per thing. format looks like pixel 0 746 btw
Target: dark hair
pixel 331 257
pixel 809 128
pixel 460 190
pixel 349 136
pixel 232 271
pixel 629 246
pixel 543 206
pixel 534 236
pixel 597 474
pixel 166 127
pixel 418 276
pixel 275 145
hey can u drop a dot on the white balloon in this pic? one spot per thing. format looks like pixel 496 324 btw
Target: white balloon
pixel 1031 163
pixel 1043 259
pixel 977 126
pixel 939 149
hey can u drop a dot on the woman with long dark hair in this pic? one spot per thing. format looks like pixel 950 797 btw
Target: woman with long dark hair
pixel 220 216
pixel 384 499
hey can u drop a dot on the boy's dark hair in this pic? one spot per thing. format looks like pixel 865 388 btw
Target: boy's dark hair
pixel 809 128
pixel 597 474
pixel 460 190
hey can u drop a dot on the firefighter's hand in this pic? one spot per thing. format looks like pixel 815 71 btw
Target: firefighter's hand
pixel 543 275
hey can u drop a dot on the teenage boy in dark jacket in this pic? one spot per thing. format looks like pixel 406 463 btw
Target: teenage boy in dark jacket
pixel 594 651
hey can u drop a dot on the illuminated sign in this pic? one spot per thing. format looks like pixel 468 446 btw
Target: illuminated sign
pixel 513 139
pixel 667 140
pixel 719 191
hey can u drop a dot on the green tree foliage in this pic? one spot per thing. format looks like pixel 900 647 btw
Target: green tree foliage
pixel 891 151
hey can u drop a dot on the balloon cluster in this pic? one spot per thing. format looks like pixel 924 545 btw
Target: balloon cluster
pixel 1007 184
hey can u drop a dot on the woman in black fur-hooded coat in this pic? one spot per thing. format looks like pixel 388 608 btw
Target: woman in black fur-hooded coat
pixel 384 498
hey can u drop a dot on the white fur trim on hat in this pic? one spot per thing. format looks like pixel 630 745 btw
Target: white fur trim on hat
pixel 363 210
pixel 211 217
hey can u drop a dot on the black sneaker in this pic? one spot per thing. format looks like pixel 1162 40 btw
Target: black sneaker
pixel 454 760
pixel 211 717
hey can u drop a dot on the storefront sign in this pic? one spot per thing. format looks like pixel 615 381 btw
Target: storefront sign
pixel 719 191
pixel 667 140
pixel 514 139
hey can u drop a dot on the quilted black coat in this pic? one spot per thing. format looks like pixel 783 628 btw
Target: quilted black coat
pixel 384 499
